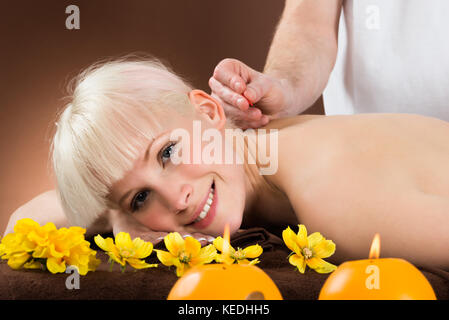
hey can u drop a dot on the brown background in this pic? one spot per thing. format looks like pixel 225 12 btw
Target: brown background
pixel 38 56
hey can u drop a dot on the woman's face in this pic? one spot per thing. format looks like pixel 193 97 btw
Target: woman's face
pixel 188 197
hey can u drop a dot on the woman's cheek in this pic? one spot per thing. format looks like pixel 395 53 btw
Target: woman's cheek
pixel 156 222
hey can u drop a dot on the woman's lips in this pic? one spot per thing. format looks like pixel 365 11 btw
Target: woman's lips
pixel 204 223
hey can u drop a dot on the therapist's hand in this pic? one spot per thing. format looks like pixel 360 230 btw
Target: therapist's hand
pixel 235 84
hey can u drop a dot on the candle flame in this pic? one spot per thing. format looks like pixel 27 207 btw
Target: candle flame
pixel 226 241
pixel 374 252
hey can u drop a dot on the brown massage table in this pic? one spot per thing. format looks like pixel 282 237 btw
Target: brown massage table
pixel 155 283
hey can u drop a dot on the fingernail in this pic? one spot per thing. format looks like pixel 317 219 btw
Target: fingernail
pixel 160 238
pixel 240 101
pixel 186 235
pixel 201 239
pixel 238 86
pixel 211 239
pixel 265 120
pixel 250 94
pixel 255 113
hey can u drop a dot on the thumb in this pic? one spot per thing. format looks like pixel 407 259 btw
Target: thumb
pixel 257 88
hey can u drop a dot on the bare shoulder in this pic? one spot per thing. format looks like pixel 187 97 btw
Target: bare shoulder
pixel 317 153
pixel 292 122
pixel 43 208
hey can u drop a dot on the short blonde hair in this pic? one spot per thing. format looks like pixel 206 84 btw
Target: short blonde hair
pixel 113 112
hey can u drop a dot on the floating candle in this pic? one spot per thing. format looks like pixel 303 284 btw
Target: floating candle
pixel 377 279
pixel 225 281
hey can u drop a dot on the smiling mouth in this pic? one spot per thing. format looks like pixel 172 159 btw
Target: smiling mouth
pixel 207 206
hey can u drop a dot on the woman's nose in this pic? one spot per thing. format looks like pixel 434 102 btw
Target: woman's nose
pixel 183 198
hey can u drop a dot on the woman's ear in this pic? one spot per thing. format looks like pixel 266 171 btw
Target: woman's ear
pixel 209 107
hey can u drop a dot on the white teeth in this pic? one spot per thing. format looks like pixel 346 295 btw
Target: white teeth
pixel 206 207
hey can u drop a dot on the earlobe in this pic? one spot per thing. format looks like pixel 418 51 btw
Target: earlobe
pixel 209 107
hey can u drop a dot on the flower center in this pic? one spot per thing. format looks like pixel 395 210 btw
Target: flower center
pixel 184 257
pixel 239 254
pixel 307 253
pixel 125 253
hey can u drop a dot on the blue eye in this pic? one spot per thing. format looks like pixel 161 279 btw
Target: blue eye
pixel 167 152
pixel 139 200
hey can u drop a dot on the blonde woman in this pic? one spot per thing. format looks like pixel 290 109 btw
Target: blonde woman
pixel 347 177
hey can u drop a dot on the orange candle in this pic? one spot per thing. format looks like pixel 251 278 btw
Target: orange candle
pixel 377 279
pixel 225 282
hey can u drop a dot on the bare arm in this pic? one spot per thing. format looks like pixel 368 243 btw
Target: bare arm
pixel 42 209
pixel 304 50
pixel 47 208
pixel 299 63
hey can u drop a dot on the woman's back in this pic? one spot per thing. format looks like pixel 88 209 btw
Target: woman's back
pixel 352 176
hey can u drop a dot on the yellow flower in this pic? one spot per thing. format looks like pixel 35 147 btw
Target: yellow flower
pixel 125 250
pixel 18 247
pixel 184 254
pixel 309 250
pixel 239 255
pixel 67 246
pixel 13 250
pixel 31 246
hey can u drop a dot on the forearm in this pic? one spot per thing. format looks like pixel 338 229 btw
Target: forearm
pixel 46 207
pixel 42 209
pixel 304 49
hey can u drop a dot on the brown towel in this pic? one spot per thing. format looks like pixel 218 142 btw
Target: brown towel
pixel 155 283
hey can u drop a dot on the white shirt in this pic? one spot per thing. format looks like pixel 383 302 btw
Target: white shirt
pixel 393 57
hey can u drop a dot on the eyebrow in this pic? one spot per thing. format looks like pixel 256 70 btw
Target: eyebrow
pixel 145 158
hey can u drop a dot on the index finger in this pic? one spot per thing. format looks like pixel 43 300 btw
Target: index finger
pixel 232 74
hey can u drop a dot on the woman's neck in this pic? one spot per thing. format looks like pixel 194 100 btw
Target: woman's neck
pixel 266 204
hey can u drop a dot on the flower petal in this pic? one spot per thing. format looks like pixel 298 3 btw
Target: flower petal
pixel 94 262
pixel 181 268
pixel 206 255
pixel 25 226
pixel 17 260
pixel 320 266
pixel 219 258
pixel 324 249
pixel 218 243
pixel 254 261
pixel 302 240
pixel 253 251
pixel 53 252
pixel 139 264
pixel 290 240
pixel 102 243
pixel 314 239
pixel 298 261
pixel 50 226
pixel 55 265
pixel 142 248
pixel 82 269
pixel 123 240
pixel 33 264
pixel 166 258
pixel 40 252
pixel 117 258
pixel 192 246
pixel 174 243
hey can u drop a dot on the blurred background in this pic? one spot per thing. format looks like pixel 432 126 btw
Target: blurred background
pixel 38 57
